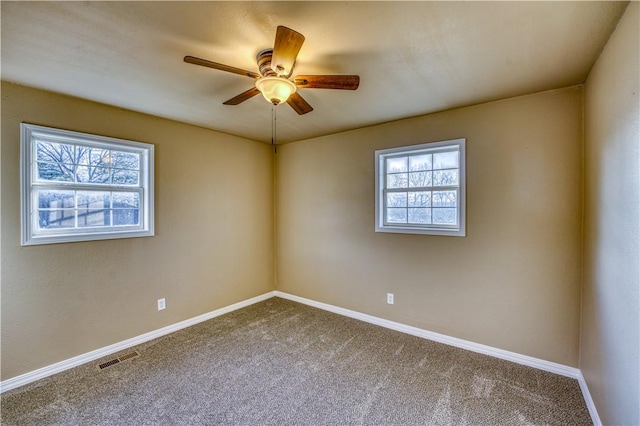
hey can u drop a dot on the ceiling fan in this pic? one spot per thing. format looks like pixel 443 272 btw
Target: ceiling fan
pixel 275 67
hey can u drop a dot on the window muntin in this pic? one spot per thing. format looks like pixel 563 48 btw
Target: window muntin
pixel 79 187
pixel 420 189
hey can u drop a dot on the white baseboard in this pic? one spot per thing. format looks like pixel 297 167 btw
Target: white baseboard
pixel 563 370
pixel 58 367
pixel 588 400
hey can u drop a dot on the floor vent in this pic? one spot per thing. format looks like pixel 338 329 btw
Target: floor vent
pixel 118 360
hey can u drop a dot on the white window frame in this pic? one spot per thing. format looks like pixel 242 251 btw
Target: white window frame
pixel 31 234
pixel 382 225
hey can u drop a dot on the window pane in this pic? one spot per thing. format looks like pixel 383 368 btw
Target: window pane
pixel 419 179
pixel 56 219
pixel 55 152
pixel 56 199
pixel 91 174
pixel 125 160
pixel 396 165
pixel 444 216
pixel 93 208
pixel 82 156
pixel 94 217
pixel 126 200
pixel 420 162
pixel 399 180
pixel 397 199
pixel 125 217
pixel 395 215
pixel 420 199
pixel 55 172
pixel 125 177
pixel 100 157
pixel 445 160
pixel 445 178
pixel 93 199
pixel 93 156
pixel 419 215
pixel 445 199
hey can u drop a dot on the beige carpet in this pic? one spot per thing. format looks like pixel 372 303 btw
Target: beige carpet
pixel 282 363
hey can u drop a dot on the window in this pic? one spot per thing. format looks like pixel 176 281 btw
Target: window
pixel 420 189
pixel 80 187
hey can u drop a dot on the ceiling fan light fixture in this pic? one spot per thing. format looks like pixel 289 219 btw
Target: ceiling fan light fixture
pixel 275 89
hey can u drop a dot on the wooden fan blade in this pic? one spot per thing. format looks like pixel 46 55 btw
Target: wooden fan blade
pixel 298 103
pixel 242 97
pixel 221 67
pixel 285 50
pixel 343 82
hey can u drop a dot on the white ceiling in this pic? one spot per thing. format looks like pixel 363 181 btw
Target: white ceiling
pixel 413 58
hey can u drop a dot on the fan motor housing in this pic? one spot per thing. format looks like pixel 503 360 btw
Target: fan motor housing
pixel 264 63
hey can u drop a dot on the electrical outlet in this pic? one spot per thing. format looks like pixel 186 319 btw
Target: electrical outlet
pixel 162 304
pixel 390 298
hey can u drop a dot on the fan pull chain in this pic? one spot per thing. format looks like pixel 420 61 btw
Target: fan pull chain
pixel 274 142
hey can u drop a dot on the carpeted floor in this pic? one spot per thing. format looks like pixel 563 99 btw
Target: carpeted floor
pixel 281 363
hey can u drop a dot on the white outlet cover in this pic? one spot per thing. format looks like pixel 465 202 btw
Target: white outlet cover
pixel 161 304
pixel 390 298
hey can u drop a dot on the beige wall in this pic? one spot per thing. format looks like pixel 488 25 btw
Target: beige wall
pixel 513 282
pixel 213 243
pixel 609 344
